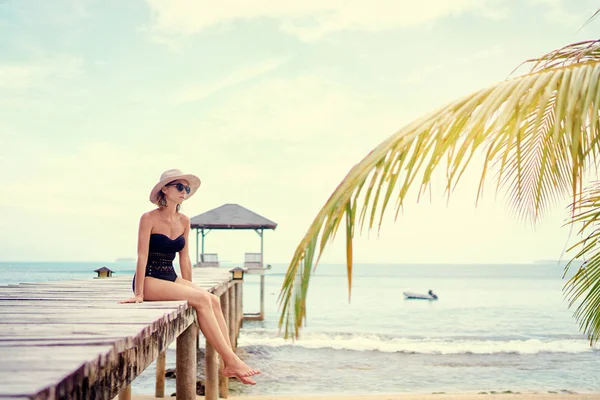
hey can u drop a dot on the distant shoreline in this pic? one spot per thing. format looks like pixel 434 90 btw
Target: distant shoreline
pixel 285 263
pixel 125 259
pixel 508 395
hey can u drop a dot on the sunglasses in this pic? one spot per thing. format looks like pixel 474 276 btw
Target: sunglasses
pixel 180 187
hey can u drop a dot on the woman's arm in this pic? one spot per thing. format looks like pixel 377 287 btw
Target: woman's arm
pixel 142 253
pixel 185 264
pixel 142 258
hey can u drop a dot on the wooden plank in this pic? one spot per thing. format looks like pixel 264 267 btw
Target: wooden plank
pixel 79 320
pixel 116 286
pixel 16 385
pixel 49 331
pixel 76 282
pixel 82 296
pixel 107 380
pixel 62 342
pixel 31 367
pixel 223 288
pixel 91 287
pixel 123 312
pixel 30 362
pixel 33 382
pixel 76 319
pixel 71 339
pixel 76 316
pixel 20 352
pixel 66 289
pixel 34 305
pixel 23 366
pixel 74 293
pixel 81 303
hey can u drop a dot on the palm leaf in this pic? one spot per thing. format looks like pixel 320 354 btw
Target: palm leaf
pixel 536 131
pixel 590 19
pixel 583 288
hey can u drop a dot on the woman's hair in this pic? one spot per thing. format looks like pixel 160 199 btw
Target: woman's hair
pixel 162 201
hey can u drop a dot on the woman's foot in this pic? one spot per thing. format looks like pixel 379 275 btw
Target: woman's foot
pixel 245 381
pixel 241 371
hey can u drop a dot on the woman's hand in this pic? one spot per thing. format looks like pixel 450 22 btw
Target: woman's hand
pixel 137 299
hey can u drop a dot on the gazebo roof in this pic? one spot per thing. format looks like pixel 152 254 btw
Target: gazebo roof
pixel 102 269
pixel 231 216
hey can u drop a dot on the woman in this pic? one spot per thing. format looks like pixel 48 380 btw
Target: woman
pixel 162 233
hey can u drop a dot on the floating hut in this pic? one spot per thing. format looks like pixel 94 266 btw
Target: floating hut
pixel 103 272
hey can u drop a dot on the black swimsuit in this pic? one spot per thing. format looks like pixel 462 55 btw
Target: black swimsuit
pixel 161 254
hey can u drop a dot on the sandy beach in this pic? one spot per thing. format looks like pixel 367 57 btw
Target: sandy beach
pixel 421 396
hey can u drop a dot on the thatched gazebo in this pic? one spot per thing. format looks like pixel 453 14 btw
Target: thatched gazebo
pixel 231 217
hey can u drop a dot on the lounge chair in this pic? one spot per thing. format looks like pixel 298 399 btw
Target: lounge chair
pixel 208 260
pixel 253 260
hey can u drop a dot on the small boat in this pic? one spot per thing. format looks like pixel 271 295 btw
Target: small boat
pixel 420 296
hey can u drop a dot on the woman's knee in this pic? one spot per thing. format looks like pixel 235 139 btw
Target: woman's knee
pixel 202 300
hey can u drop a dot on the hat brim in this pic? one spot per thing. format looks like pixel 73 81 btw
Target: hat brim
pixel 193 180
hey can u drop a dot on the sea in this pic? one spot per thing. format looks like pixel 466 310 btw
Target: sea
pixel 494 328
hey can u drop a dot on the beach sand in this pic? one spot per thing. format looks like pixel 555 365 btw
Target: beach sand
pixel 419 396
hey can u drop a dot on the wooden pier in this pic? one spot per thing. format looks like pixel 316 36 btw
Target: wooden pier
pixel 72 340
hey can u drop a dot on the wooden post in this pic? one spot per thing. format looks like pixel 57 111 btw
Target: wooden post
pixel 125 394
pixel 225 307
pixel 160 375
pixel 223 380
pixel 186 364
pixel 197 249
pixel 232 316
pixel 262 296
pixel 240 308
pixel 211 371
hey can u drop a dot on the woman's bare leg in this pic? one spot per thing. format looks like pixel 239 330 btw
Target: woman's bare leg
pixel 158 289
pixel 216 307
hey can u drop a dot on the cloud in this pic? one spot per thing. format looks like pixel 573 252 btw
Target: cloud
pixel 443 68
pixel 56 13
pixel 91 195
pixel 557 12
pixel 308 20
pixel 296 114
pixel 195 92
pixel 283 134
pixel 287 146
pixel 24 75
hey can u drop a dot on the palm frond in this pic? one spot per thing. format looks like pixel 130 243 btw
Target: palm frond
pixel 590 19
pixel 579 52
pixel 536 131
pixel 528 173
pixel 583 288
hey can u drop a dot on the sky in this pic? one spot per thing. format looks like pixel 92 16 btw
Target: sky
pixel 270 103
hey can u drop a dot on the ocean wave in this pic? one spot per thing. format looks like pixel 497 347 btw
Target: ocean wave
pixel 390 344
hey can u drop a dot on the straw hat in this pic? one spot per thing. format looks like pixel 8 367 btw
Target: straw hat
pixel 170 176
